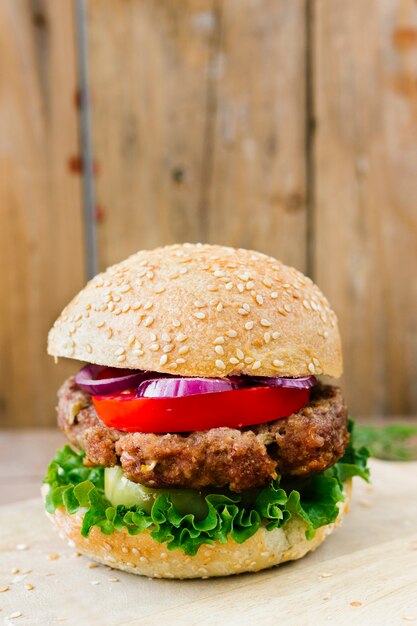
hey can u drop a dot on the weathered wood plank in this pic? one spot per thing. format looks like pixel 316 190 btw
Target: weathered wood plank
pixel 148 73
pixel 41 238
pixel 256 195
pixel 198 119
pixel 365 221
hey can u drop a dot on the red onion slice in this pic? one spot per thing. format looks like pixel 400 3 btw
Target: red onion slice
pixel 119 379
pixel 182 386
pixel 303 382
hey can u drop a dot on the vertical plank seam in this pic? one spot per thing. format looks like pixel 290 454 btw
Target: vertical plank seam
pixel 310 124
pixel 207 161
pixel 86 145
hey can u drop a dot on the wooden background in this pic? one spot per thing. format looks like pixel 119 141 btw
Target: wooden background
pixel 289 126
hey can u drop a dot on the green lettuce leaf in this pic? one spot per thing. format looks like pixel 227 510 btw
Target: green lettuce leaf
pixel 73 486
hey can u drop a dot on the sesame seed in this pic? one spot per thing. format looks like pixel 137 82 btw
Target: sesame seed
pixel 219 307
pixel 220 324
pixel 166 337
pixel 88 348
pixel 132 339
pixel 149 275
pixel 199 304
pixel 176 323
pixel 267 281
pixel 181 337
pixel 117 310
pixel 287 307
pixel 180 360
pixel 240 354
pixel 15 614
pixel 265 322
pixel 248 360
pixel 256 365
pixel 199 315
pixel 138 352
pixel 117 297
pixel 277 363
pixel 311 368
pixel 233 360
pixel 219 340
pixel 246 307
pixel 126 308
pixel 219 364
pixel 148 321
pixel 314 305
pixel 250 285
pixel 306 304
pixel 243 311
pixel 163 359
pixel 231 333
pixel 119 351
pixel 316 362
pixel 219 350
pixel 125 288
pixel 168 347
pixel 100 324
pixel 183 270
pixel 154 347
pixel 109 333
pixel 229 286
pixel 249 325
pixel 212 288
pixel 111 307
pixel 136 305
pixel 275 335
pixel 121 358
pixel 183 350
pixel 219 273
pixel 159 289
pixel 259 299
pixel 240 287
pixel 153 336
pixel 267 337
pixel 274 295
pixel 147 306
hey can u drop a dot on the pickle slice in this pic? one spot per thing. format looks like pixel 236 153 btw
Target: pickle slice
pixel 120 490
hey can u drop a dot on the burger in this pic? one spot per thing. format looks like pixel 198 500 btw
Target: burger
pixel 201 442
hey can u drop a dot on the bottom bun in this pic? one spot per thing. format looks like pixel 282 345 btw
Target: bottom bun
pixel 140 554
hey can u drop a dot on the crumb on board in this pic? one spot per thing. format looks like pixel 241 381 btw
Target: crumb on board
pixel 53 556
pixel 356 603
pixel 29 587
pixel 5 588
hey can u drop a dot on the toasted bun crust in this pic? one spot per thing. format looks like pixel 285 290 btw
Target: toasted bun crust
pixel 201 310
pixel 140 554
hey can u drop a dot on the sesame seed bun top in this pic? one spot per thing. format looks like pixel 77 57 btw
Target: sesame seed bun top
pixel 201 310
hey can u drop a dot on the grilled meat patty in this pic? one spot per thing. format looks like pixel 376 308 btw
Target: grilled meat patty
pixel 304 443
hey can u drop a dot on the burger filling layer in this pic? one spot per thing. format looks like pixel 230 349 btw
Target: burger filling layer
pixel 204 486
pixel 304 443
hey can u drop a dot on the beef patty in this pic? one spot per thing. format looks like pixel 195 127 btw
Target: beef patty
pixel 304 443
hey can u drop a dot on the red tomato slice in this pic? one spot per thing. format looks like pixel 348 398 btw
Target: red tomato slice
pixel 235 409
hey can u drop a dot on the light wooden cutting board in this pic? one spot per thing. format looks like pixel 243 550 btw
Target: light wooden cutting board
pixel 365 573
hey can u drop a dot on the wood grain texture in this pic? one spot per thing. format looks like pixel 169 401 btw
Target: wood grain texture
pixel 41 248
pixel 198 124
pixel 149 63
pixel 256 191
pixel 365 220
pixel 366 562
